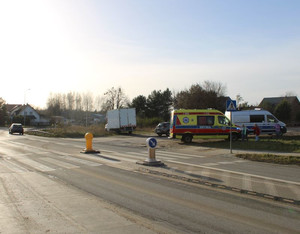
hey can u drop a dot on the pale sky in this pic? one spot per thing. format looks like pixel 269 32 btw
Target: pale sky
pixel 252 47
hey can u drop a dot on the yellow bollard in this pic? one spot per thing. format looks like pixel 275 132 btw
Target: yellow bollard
pixel 89 144
pixel 89 141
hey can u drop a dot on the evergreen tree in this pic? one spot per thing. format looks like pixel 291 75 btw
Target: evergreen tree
pixel 283 111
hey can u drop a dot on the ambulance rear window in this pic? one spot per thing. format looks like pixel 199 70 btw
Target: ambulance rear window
pixel 205 120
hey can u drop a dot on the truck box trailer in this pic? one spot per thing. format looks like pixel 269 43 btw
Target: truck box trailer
pixel 121 120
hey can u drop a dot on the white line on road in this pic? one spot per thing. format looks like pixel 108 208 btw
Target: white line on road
pixel 210 164
pixel 60 163
pixel 295 190
pixel 271 188
pixel 181 154
pixel 237 173
pixel 36 165
pixel 247 182
pixel 81 161
pixel 13 167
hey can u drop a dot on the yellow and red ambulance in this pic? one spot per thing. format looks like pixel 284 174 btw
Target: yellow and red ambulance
pixel 189 123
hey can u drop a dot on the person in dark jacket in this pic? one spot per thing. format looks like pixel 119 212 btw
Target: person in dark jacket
pixel 256 130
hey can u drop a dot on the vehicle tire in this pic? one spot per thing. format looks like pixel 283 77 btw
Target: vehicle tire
pixel 187 138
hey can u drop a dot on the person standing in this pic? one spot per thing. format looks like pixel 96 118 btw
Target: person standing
pixel 277 130
pixel 256 132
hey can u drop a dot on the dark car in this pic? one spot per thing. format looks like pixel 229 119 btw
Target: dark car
pixel 163 128
pixel 16 128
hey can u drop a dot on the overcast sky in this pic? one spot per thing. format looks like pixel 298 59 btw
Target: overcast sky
pixel 252 47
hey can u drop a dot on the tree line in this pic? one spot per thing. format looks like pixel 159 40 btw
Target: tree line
pixel 156 105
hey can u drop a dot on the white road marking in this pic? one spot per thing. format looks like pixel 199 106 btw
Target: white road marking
pixel 210 164
pixel 60 163
pixel 81 161
pixel 295 190
pixel 271 188
pixel 13 167
pixel 247 185
pixel 36 165
pixel 226 177
pixel 225 163
pixel 237 173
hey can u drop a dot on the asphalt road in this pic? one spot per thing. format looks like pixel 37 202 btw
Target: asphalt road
pixel 47 185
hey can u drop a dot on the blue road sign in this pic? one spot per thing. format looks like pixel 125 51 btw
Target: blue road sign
pixel 152 142
pixel 231 105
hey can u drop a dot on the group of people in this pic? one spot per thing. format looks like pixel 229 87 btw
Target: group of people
pixel 257 131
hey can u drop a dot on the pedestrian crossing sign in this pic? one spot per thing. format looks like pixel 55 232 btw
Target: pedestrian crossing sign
pixel 231 105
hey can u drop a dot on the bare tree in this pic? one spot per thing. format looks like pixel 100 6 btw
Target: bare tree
pixel 87 99
pixel 70 101
pixel 218 88
pixel 78 102
pixel 98 102
pixel 54 106
pixel 114 99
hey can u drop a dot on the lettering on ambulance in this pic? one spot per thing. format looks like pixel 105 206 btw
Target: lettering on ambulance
pixel 205 124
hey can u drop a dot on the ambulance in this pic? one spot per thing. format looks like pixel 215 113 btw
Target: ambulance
pixel 189 123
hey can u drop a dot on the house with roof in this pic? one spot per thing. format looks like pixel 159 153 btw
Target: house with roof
pixel 270 103
pixel 29 115
pixel 274 101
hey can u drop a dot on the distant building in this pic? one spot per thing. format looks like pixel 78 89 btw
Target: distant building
pixel 272 102
pixel 28 113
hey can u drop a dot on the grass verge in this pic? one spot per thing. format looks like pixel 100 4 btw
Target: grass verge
pixel 287 144
pixel 271 158
pixel 70 131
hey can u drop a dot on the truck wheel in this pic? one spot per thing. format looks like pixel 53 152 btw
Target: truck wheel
pixel 187 138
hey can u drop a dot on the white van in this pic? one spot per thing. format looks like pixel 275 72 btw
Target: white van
pixel 264 119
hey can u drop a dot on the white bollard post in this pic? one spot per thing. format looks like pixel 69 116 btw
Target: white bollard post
pixel 151 160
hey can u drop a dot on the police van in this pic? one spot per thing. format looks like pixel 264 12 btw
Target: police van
pixel 189 123
pixel 263 118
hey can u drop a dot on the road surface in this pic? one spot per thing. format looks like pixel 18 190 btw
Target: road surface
pixel 48 186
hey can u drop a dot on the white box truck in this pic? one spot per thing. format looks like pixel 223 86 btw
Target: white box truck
pixel 121 120
pixel 263 118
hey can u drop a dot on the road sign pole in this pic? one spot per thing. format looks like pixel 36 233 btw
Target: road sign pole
pixel 230 106
pixel 231 132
